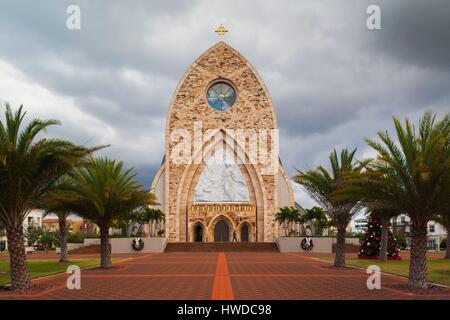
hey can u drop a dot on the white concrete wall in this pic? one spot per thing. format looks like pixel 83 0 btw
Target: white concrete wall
pixel 123 245
pixel 320 244
pixel 70 246
pixel 89 241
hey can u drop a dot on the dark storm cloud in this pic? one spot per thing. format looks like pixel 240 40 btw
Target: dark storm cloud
pixel 332 80
pixel 417 32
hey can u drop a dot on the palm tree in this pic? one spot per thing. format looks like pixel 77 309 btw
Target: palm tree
pixel 320 184
pixel 286 216
pixel 412 176
pixel 54 203
pixel 153 216
pixel 318 217
pixel 385 216
pixel 103 192
pixel 444 220
pixel 28 170
pixel 147 215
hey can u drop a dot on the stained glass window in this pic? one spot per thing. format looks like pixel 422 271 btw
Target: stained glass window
pixel 221 96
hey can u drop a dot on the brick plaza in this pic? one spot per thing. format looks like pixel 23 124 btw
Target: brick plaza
pixel 224 276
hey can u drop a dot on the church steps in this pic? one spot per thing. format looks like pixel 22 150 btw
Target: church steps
pixel 221 246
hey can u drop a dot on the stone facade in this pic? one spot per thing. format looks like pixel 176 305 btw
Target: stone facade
pixel 175 182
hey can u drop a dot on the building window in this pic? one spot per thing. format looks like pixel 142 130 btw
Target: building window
pixel 221 96
pixel 431 227
pixel 431 244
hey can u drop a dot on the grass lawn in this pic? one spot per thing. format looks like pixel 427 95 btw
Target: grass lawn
pixel 41 268
pixel 438 270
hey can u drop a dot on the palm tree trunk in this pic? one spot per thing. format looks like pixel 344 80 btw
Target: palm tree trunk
pixel 105 249
pixel 418 262
pixel 20 278
pixel 339 259
pixel 447 250
pixel 63 257
pixel 384 240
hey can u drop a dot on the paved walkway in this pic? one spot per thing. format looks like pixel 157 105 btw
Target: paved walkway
pixel 230 275
pixel 55 256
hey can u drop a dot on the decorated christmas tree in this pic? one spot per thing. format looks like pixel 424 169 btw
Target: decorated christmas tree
pixel 370 248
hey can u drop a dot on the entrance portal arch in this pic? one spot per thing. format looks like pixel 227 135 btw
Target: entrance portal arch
pixel 198 232
pixel 222 231
pixel 245 233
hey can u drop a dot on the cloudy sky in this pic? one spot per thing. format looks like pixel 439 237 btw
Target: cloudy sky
pixel 332 80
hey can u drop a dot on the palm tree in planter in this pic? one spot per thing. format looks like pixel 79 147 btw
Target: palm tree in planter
pixel 103 192
pixel 444 220
pixel 29 169
pixel 286 216
pixel 149 216
pixel 411 176
pixel 319 219
pixel 153 216
pixel 321 184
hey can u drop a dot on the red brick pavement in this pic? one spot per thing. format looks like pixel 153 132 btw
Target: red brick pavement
pixel 55 256
pixel 403 254
pixel 209 275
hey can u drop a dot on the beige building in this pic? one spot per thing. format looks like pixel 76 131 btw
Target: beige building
pixel 76 224
pixel 221 175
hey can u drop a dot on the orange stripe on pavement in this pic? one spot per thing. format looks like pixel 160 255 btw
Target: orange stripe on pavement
pixel 222 289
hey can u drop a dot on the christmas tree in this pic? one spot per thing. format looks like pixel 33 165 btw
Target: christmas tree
pixel 370 248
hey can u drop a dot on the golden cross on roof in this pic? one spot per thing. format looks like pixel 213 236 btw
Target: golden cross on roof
pixel 221 30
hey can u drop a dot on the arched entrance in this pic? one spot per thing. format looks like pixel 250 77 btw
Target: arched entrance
pixel 198 232
pixel 244 233
pixel 222 232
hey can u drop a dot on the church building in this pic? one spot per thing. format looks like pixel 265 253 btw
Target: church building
pixel 221 178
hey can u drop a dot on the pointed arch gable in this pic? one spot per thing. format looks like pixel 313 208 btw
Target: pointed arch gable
pixel 250 230
pixel 217 219
pixel 253 109
pixel 217 72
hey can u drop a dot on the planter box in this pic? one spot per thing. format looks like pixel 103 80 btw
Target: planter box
pixel 123 245
pixel 320 244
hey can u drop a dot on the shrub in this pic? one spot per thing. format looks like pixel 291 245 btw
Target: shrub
pixel 75 238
